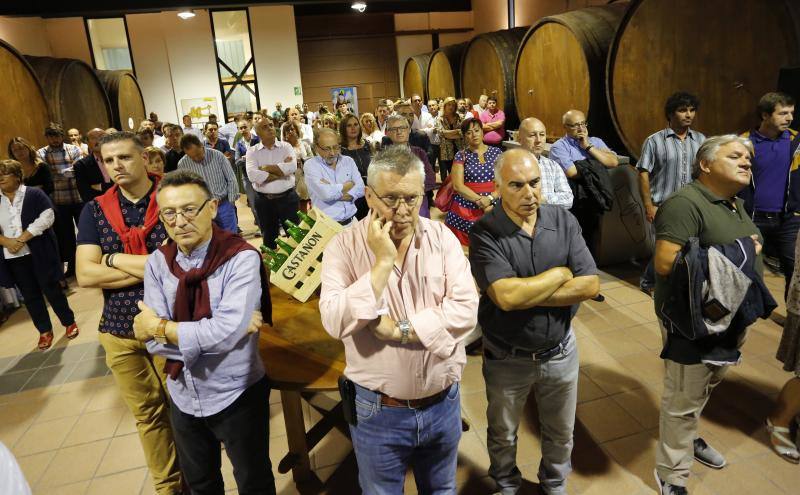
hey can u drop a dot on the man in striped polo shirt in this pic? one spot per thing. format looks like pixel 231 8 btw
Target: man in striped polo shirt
pixel 666 163
pixel 215 169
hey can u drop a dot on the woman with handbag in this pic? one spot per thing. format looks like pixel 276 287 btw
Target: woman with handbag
pixel 472 176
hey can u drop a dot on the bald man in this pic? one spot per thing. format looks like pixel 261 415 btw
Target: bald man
pixel 90 174
pixel 577 145
pixel 532 135
pixel 526 312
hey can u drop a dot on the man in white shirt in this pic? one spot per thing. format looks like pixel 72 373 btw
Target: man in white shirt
pixel 425 122
pixel 270 167
pixel 189 129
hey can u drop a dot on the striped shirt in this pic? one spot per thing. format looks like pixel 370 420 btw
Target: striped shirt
pixel 668 160
pixel 555 188
pixel 216 170
pixel 60 160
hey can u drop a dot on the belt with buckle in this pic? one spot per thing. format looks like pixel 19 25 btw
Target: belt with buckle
pixel 414 403
pixel 545 355
pixel 767 214
pixel 276 195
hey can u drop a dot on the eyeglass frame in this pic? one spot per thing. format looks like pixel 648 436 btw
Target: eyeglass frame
pixel 183 214
pixel 399 128
pixel 578 125
pixel 400 200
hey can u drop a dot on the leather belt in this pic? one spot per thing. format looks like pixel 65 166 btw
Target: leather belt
pixel 276 195
pixel 345 222
pixel 545 355
pixel 767 214
pixel 414 403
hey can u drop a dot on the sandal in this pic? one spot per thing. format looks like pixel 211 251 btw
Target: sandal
pixel 72 331
pixel 45 341
pixel 785 447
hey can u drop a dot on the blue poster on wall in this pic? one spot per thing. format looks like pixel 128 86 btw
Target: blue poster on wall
pixel 349 95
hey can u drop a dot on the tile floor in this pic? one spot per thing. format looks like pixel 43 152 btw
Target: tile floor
pixel 62 417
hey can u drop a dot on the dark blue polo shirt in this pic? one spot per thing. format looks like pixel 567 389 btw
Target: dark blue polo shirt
pixel 501 249
pixel 770 170
pixel 119 306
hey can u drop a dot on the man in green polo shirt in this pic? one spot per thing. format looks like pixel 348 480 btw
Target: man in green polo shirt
pixel 708 209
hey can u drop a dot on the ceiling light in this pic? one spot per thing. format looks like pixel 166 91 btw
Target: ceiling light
pixel 186 14
pixel 359 6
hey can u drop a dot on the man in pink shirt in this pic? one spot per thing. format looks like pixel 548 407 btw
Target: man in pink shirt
pixel 494 121
pixel 397 290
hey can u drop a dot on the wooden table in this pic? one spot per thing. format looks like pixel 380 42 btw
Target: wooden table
pixel 302 360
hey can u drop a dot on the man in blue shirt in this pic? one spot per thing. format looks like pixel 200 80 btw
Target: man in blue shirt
pixel 773 197
pixel 333 180
pixel 214 142
pixel 202 296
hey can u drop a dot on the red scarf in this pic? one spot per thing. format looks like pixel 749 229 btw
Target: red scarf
pixel 192 301
pixel 134 239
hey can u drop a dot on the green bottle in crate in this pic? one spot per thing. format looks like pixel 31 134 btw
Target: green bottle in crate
pixel 306 219
pixel 294 231
pixel 284 245
pixel 276 258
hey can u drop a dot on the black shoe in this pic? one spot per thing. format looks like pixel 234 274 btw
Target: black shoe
pixel 599 298
pixel 665 488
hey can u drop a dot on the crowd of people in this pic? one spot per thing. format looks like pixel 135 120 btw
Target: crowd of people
pixel 150 218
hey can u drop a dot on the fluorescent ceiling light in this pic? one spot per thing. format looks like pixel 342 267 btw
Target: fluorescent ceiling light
pixel 186 14
pixel 359 6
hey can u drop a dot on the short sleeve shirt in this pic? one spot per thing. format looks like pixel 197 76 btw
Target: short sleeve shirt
pixel 119 306
pixel 501 249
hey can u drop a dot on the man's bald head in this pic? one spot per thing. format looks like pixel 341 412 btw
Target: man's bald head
pixel 93 138
pixel 575 124
pixel 573 116
pixel 518 180
pixel 532 135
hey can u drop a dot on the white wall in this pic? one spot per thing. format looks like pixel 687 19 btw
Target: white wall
pixel 277 59
pixel 149 51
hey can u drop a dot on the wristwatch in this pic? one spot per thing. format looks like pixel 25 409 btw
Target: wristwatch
pixel 405 327
pixel 161 332
pixel 586 149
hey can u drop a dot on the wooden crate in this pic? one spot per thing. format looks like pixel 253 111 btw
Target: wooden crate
pixel 295 276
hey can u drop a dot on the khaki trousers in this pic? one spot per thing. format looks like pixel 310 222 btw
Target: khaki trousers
pixel 687 388
pixel 142 383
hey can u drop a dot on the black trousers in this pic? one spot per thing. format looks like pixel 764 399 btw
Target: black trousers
pixel 589 219
pixel 444 168
pixel 780 233
pixel 272 213
pixel 35 286
pixel 243 427
pixel 67 217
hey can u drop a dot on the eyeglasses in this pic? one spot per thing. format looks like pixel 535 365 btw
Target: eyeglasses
pixel 189 213
pixel 330 149
pixel 577 125
pixel 243 128
pixel 394 202
pixel 397 129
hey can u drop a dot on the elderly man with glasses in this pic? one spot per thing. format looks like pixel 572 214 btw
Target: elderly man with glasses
pixel 397 290
pixel 400 133
pixel 204 292
pixel 333 180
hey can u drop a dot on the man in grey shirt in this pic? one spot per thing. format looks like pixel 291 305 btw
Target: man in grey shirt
pixel 533 268
pixel 666 163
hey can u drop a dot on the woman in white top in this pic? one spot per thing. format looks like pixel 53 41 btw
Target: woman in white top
pixel 369 126
pixel 29 257
pixel 302 152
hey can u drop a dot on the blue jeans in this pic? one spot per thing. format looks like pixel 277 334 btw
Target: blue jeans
pixel 226 216
pixel 389 439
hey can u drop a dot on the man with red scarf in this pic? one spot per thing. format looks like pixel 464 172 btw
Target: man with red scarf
pixel 202 291
pixel 116 232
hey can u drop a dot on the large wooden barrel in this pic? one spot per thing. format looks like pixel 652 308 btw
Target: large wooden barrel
pixel 488 68
pixel 22 100
pixel 415 75
pixel 727 52
pixel 561 65
pixel 74 93
pixel 444 71
pixel 125 97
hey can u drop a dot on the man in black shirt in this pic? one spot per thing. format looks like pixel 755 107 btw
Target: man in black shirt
pixel 172 148
pixel 533 269
pixel 91 176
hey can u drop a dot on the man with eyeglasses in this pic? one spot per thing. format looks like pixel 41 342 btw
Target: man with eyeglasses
pixel 270 166
pixel 116 232
pixel 397 291
pixel 399 133
pixel 577 146
pixel 204 294
pixel 333 180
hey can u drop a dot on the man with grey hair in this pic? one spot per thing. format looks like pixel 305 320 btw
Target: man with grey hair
pixel 532 135
pixel 707 209
pixel 399 132
pixel 397 290
pixel 333 180
pixel 533 269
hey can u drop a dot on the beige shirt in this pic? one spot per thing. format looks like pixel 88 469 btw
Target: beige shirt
pixel 434 290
